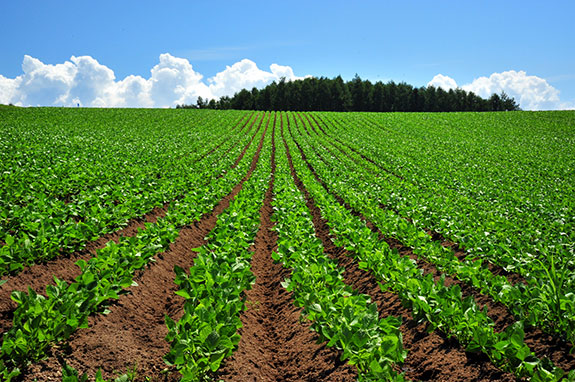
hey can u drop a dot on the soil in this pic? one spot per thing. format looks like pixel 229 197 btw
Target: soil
pixel 132 335
pixel 38 276
pixel 275 345
pixel 544 345
pixel 431 356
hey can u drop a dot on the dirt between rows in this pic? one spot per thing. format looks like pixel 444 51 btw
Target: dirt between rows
pixel 38 276
pixel 431 356
pixel 544 345
pixel 132 336
pixel 456 248
pixel 275 345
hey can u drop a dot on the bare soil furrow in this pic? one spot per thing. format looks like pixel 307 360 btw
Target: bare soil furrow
pixel 457 249
pixel 275 345
pixel 543 345
pixel 432 356
pixel 132 335
pixel 38 276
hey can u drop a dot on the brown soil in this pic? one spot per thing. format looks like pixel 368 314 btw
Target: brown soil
pixel 38 276
pixel 542 344
pixel 457 249
pixel 133 334
pixel 275 345
pixel 432 356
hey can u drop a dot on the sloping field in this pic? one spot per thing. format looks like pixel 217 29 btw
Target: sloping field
pixel 169 245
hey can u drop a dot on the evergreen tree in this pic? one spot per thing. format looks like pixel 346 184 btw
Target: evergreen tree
pixel 356 95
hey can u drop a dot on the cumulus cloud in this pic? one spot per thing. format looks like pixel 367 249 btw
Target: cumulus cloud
pixel 174 81
pixel 531 92
pixel 246 75
pixel 83 80
pixel 444 82
pixel 8 89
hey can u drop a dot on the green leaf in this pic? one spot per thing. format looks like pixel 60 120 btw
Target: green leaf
pixel 212 340
pixel 183 293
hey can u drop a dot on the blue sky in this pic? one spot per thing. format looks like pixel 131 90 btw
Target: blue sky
pixel 531 43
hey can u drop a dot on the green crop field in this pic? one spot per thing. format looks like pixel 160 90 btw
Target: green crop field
pixel 159 245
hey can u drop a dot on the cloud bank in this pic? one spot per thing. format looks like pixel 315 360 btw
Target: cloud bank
pixel 531 92
pixel 83 80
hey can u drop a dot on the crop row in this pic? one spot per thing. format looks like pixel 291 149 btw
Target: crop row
pixel 499 186
pixel 442 306
pixel 368 177
pixel 41 321
pixel 213 289
pixel 59 212
pixel 342 317
pixel 542 301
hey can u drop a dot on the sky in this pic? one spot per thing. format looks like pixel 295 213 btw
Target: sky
pixel 159 54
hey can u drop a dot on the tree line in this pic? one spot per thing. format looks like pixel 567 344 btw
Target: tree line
pixel 324 94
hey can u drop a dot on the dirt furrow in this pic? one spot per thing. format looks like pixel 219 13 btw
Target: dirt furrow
pixel 496 311
pixel 544 345
pixel 38 276
pixel 432 356
pixel 132 335
pixel 275 345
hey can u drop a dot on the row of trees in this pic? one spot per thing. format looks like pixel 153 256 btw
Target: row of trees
pixel 324 94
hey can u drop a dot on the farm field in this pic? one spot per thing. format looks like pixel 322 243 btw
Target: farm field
pixel 169 245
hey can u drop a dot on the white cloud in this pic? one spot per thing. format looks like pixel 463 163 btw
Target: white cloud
pixel 441 81
pixel 8 89
pixel 531 92
pixel 43 84
pixel 172 81
pixel 92 81
pixel 245 75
